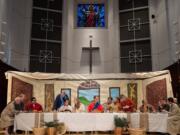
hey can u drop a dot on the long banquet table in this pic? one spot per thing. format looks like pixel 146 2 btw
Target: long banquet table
pixel 157 122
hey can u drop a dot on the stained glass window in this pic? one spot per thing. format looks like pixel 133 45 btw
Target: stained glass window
pixel 91 15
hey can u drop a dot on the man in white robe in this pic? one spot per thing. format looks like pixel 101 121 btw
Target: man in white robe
pixel 66 107
pixel 173 125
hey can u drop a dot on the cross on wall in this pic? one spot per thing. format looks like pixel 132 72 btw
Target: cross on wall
pixel 90 49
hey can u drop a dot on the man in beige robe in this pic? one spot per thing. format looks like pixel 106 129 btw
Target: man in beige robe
pixel 173 125
pixel 8 114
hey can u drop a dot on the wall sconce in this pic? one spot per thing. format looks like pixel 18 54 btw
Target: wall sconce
pixel 153 17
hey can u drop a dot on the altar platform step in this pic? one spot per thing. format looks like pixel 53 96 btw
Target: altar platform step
pixel 109 133
pixel 91 133
pixel 94 134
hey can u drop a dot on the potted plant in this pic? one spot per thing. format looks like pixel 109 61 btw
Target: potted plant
pixel 51 127
pixel 119 123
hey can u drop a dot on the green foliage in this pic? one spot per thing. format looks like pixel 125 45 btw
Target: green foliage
pixel 84 100
pixel 120 122
pixel 51 124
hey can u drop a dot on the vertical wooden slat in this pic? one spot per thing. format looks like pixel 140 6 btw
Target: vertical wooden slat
pixel 132 92
pixel 49 97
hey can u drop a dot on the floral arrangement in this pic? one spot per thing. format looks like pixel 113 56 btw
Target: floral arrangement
pixel 51 123
pixel 120 122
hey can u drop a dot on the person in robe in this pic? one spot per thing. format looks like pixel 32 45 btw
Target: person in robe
pixel 78 106
pixel 163 106
pixel 33 106
pixel 65 107
pixel 91 17
pixel 59 101
pixel 145 107
pixel 117 105
pixel 108 106
pixel 9 112
pixel 175 100
pixel 127 104
pixel 173 122
pixel 95 106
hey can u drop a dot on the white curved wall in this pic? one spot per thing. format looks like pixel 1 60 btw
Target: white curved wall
pixel 106 39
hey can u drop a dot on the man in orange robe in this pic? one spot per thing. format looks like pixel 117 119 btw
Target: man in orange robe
pixel 95 106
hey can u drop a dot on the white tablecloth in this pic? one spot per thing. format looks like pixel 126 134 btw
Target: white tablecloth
pixel 135 120
pixel 91 121
pixel 158 122
pixel 24 121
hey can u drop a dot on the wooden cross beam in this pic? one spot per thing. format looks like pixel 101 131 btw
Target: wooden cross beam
pixel 90 49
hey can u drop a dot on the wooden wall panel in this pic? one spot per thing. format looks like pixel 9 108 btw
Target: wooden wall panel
pixel 155 91
pixel 19 86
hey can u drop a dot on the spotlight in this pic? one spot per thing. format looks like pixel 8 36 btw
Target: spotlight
pixel 153 16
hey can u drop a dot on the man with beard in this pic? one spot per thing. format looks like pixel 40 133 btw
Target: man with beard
pixel 9 112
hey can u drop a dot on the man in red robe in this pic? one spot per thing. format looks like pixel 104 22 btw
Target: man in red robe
pixel 127 104
pixel 95 106
pixel 33 106
pixel 91 17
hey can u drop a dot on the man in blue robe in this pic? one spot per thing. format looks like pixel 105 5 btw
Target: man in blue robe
pixel 60 99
